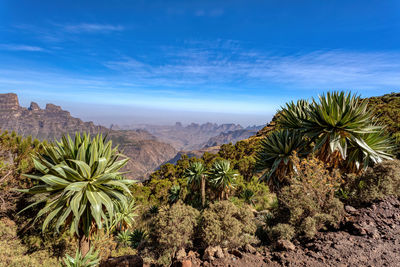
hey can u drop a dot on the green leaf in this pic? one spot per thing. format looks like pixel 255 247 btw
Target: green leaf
pixel 83 167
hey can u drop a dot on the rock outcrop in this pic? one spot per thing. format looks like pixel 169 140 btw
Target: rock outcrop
pixel 9 102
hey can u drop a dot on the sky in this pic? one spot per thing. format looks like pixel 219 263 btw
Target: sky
pixel 157 62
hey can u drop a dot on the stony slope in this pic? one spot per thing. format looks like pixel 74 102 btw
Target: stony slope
pixel 145 150
pixel 370 237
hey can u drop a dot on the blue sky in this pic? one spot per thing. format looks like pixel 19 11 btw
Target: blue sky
pixel 223 61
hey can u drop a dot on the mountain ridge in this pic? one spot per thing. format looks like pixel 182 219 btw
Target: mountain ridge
pixel 195 136
pixel 144 149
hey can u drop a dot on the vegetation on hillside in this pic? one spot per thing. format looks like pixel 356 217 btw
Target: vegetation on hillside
pixel 316 156
pixel 387 110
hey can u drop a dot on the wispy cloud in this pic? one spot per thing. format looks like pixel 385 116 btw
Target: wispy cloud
pixel 20 47
pixel 229 64
pixel 92 28
pixel 218 77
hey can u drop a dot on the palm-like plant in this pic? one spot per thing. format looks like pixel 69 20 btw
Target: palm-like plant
pixel 196 175
pixel 123 238
pixel 137 237
pixel 335 121
pixel 174 193
pixel 223 177
pixel 338 123
pixel 124 214
pixel 293 115
pixel 89 260
pixel 275 154
pixel 79 182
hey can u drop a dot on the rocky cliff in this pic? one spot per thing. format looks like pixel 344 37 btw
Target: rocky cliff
pixel 145 151
pixel 49 123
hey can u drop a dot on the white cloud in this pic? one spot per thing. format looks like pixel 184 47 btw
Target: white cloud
pixel 19 47
pixel 92 28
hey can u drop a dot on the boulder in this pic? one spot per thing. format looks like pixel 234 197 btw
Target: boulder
pixel 237 253
pixel 209 254
pixel 285 245
pixel 350 209
pixel 250 249
pixel 124 261
pixel 219 253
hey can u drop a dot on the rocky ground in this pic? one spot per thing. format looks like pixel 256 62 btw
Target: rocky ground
pixel 370 236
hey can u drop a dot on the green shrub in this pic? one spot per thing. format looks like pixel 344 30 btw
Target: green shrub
pixel 174 228
pixel 15 254
pixel 281 231
pixel 309 203
pixel 261 199
pixel 227 225
pixel 103 242
pixel 377 182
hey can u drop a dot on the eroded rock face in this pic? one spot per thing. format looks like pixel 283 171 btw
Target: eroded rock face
pixel 9 102
pixel 145 151
pixel 34 106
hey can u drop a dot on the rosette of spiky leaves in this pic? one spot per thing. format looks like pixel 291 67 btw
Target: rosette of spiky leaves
pixel 79 181
pixel 174 193
pixel 223 177
pixel 124 238
pixel 124 214
pixel 274 156
pixel 194 174
pixel 293 115
pixel 375 148
pixel 336 120
pixel 91 259
pixel 248 196
pixel 153 210
pixel 137 237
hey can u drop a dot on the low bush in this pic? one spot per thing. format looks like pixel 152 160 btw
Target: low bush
pixel 377 182
pixel 103 242
pixel 227 225
pixel 281 231
pixel 15 254
pixel 309 203
pixel 174 227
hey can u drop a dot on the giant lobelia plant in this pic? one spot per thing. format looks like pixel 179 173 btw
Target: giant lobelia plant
pixel 80 183
pixel 338 128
